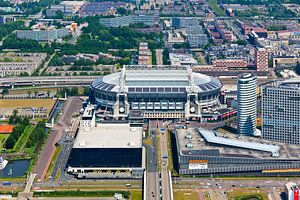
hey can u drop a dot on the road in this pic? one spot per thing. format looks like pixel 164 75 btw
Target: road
pixel 159 56
pixel 55 135
pixel 45 65
pixel 165 180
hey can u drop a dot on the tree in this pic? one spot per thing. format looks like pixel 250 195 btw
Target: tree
pixel 121 11
pixel 10 142
pixel 35 92
pixel 29 93
pixel 5 91
pixel 48 93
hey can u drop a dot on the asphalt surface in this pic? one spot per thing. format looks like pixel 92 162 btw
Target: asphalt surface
pixel 71 106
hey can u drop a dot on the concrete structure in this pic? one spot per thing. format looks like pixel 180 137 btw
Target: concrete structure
pixel 43 35
pixel 166 92
pixel 280 111
pixel 110 150
pixel 149 20
pixel 206 152
pixel 179 59
pixel 15 64
pixel 246 97
pixel 262 59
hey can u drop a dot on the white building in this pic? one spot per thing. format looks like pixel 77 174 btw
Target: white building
pixel 246 98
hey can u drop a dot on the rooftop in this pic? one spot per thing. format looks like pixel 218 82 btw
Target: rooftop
pixel 109 136
pixel 191 142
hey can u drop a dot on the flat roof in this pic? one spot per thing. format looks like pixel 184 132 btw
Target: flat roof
pixel 109 136
pixel 191 143
pixel 211 137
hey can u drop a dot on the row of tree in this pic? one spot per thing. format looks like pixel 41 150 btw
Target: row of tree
pixel 20 125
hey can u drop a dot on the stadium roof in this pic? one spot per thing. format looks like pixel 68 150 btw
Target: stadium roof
pixel 211 137
pixel 109 136
pixel 157 78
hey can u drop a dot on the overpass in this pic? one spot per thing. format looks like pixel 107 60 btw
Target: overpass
pixel 46 80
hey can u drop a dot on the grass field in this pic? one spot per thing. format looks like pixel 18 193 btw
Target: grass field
pixel 54 158
pixel 185 195
pixel 2 139
pixel 136 195
pixel 216 8
pixel 245 194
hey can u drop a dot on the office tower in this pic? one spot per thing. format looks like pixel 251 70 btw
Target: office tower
pixel 262 60
pixel 246 98
pixel 281 111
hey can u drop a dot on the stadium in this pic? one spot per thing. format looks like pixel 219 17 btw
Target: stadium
pixel 161 92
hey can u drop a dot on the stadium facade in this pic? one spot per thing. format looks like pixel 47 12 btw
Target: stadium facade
pixel 166 92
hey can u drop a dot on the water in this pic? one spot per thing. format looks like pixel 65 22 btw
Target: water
pixel 56 110
pixel 16 168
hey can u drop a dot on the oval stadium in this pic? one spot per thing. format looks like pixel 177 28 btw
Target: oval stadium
pixel 168 92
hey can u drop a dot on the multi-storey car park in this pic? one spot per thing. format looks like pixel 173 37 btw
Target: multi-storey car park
pixel 204 152
pixel 161 92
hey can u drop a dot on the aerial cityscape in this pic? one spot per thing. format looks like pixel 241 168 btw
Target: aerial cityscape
pixel 150 99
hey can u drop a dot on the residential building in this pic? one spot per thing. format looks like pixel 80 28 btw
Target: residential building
pixel 149 20
pixel 20 63
pixel 246 97
pixel 280 111
pixel 262 59
pixel 43 35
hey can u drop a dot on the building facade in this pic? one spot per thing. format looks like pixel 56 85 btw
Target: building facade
pixel 43 35
pixel 149 20
pixel 262 59
pixel 280 112
pixel 246 97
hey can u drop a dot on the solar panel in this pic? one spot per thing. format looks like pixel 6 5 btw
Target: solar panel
pixel 167 89
pixel 138 89
pixel 130 89
pixel 152 89
pixel 160 89
pixel 110 88
pixel 174 89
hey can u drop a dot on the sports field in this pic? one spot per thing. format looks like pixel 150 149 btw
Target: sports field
pixel 8 105
pixel 17 103
pixel 5 128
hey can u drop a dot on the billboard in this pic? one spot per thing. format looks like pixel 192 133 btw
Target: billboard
pixel 198 164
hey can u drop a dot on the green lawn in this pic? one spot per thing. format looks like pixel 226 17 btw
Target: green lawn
pixel 185 195
pixel 245 194
pixel 2 139
pixel 136 195
pixel 78 193
pixel 54 158
pixel 216 8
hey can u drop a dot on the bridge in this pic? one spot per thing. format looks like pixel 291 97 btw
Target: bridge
pixel 47 81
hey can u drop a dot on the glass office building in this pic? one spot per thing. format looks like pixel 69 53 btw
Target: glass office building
pixel 281 111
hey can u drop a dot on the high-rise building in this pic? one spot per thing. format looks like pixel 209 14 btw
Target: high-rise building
pixel 280 111
pixel 246 98
pixel 262 60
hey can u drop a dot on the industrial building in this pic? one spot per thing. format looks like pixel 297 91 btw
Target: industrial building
pixel 106 150
pixel 163 92
pixel 203 152
pixel 280 111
